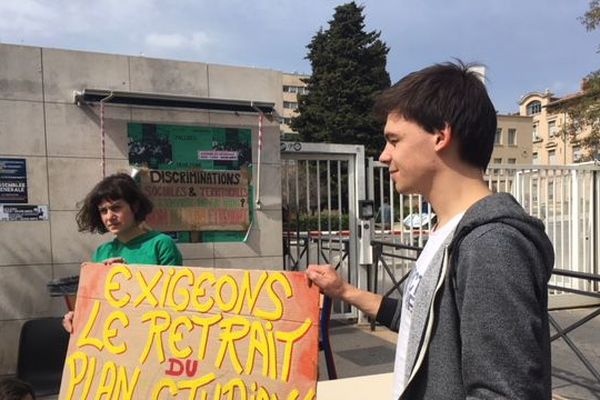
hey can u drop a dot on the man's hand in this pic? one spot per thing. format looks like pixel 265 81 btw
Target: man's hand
pixel 330 283
pixel 327 279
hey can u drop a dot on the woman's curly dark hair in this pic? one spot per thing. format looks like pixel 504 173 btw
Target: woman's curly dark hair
pixel 114 187
pixel 15 389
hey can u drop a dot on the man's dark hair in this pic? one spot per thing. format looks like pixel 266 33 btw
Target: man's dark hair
pixel 15 389
pixel 449 93
pixel 112 188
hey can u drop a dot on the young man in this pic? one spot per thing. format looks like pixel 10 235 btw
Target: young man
pixel 472 318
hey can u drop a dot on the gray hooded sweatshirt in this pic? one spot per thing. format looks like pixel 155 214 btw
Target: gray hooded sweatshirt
pixel 480 323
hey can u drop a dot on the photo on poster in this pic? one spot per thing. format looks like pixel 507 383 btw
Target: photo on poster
pixel 199 179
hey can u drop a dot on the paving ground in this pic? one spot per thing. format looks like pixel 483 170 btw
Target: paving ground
pixel 570 378
pixel 358 351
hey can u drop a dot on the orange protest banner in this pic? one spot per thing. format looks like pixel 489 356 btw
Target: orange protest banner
pixel 156 332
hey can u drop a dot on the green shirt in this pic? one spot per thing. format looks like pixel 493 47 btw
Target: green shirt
pixel 150 248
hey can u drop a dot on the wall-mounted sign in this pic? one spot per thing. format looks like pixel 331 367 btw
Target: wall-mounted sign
pixel 152 332
pixel 286 147
pixel 18 212
pixel 218 155
pixel 13 180
pixel 197 200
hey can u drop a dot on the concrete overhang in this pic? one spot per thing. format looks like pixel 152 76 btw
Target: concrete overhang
pixel 143 99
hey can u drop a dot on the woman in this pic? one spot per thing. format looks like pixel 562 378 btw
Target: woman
pixel 117 205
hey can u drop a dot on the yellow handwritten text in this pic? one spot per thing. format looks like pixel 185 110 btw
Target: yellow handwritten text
pixel 115 382
pixel 179 289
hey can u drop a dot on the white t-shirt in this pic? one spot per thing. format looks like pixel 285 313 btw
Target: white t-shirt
pixel 436 238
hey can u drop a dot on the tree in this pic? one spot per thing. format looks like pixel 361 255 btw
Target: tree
pixel 591 18
pixel 348 70
pixel 582 126
pixel 583 109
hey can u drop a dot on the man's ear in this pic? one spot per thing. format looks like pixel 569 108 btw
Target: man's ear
pixel 443 138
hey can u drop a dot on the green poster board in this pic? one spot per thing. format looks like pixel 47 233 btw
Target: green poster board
pixel 194 148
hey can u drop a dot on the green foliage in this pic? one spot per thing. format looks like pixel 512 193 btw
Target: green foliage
pixel 583 122
pixel 591 18
pixel 348 70
pixel 311 222
pixel 583 110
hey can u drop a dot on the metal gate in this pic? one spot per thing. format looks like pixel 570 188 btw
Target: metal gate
pixel 321 185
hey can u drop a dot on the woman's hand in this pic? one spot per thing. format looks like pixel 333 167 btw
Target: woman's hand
pixel 67 322
pixel 114 260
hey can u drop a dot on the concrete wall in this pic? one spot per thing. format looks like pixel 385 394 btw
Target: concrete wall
pixel 61 143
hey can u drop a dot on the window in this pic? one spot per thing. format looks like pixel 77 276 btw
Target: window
pixel 512 137
pixel 534 107
pixel 535 136
pixel 498 137
pixel 577 154
pixel 495 171
pixel 295 89
pixel 535 158
pixel 512 161
pixel 552 129
pixel 287 121
pixel 552 156
pixel 551 191
pixel 290 104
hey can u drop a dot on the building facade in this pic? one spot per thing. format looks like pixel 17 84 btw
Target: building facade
pixel 512 144
pixel 551 146
pixel 293 86
pixel 60 141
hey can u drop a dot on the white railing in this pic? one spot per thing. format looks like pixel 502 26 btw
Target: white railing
pixel 565 198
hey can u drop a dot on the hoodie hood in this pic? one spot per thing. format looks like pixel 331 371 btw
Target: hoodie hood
pixel 503 208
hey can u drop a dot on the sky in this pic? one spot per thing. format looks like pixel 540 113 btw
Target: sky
pixel 526 45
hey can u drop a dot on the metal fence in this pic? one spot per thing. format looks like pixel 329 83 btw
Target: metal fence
pixel 565 198
pixel 322 183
